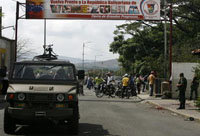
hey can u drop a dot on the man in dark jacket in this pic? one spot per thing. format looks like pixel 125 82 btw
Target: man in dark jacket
pixel 182 85
pixel 194 87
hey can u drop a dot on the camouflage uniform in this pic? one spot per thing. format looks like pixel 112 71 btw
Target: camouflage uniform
pixel 194 88
pixel 182 88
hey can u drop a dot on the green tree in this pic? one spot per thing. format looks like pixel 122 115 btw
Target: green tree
pixel 144 49
pixel 139 53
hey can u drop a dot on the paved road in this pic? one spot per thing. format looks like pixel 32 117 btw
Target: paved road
pixel 116 117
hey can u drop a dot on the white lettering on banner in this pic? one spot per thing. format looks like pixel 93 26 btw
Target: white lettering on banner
pixel 93 9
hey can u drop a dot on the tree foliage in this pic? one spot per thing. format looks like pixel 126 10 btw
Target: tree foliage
pixel 140 44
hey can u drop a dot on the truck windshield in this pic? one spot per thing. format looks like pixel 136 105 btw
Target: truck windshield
pixel 43 72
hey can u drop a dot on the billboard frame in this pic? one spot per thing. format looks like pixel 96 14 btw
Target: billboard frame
pixel 18 4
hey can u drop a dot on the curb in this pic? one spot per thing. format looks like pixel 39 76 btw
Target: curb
pixel 174 111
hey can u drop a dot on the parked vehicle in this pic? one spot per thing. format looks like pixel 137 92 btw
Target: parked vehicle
pixel 104 89
pixel 43 90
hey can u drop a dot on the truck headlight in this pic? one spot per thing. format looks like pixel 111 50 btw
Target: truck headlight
pixel 60 97
pixel 21 97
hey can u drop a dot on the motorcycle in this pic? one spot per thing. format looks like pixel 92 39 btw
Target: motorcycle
pixel 104 89
pixel 100 89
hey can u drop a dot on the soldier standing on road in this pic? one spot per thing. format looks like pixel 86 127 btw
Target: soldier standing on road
pixel 182 85
pixel 194 88
pixel 151 80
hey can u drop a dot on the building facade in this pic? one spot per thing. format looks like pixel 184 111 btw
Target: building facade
pixel 7 52
pixel 188 70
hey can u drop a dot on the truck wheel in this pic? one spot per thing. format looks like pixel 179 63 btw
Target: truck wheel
pixel 9 123
pixel 73 124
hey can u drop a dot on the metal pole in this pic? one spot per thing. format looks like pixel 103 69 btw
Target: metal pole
pixel 1 21
pixel 165 42
pixel 16 30
pixel 95 63
pixel 45 33
pixel 83 56
pixel 170 48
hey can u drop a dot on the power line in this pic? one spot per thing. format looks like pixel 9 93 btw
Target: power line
pixel 14 0
pixel 98 50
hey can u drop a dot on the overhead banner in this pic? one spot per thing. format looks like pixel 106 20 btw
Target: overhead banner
pixel 93 9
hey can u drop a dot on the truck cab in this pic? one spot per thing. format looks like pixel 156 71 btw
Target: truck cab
pixel 41 91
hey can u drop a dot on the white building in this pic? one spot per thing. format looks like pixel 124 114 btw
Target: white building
pixel 7 52
pixel 188 70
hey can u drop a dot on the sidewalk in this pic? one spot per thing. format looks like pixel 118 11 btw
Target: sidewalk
pixel 172 105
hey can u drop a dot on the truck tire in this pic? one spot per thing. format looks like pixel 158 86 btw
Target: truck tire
pixel 9 123
pixel 73 124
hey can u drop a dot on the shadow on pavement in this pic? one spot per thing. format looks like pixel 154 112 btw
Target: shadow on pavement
pixel 85 129
pixel 103 100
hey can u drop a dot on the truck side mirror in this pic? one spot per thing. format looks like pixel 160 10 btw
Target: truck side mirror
pixel 81 74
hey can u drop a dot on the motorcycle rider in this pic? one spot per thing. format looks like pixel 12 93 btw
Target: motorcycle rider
pixel 98 81
pixel 125 81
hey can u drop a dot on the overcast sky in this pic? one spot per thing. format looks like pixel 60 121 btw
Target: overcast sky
pixel 66 35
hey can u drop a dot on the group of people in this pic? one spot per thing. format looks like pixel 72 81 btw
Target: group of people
pixel 90 81
pixel 136 82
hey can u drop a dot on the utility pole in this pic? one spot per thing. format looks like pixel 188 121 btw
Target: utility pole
pixel 165 38
pixel 83 56
pixel 45 32
pixel 16 29
pixel 1 21
pixel 95 60
pixel 170 46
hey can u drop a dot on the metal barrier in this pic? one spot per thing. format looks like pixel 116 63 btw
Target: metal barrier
pixel 160 86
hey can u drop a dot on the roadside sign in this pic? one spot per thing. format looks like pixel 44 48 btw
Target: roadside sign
pixel 93 9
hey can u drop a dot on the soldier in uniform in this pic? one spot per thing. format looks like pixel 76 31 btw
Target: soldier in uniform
pixel 194 88
pixel 182 85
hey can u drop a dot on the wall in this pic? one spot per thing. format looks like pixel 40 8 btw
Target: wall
pixel 187 69
pixel 9 46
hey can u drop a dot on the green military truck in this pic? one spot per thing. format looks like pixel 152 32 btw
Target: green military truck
pixel 43 90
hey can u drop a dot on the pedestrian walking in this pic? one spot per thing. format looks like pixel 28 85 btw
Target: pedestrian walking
pixel 125 81
pixel 138 83
pixel 132 85
pixel 89 83
pixel 194 88
pixel 142 83
pixel 109 80
pixel 182 85
pixel 151 80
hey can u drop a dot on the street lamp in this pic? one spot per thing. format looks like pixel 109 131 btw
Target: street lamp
pixel 83 53
pixel 95 61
